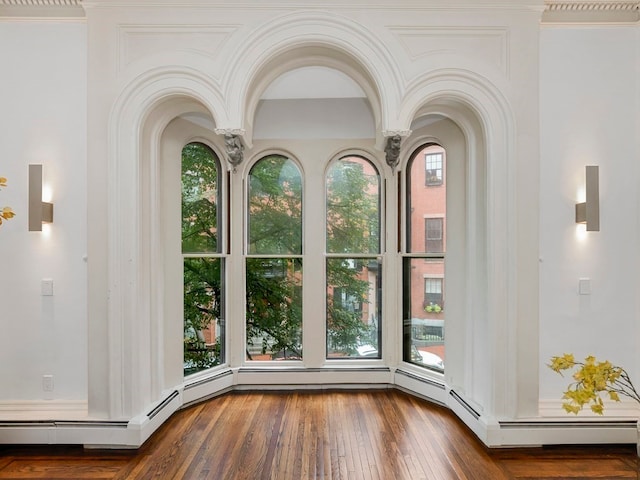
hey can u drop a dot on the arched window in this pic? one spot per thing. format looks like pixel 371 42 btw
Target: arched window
pixel 353 270
pixel 203 261
pixel 274 261
pixel 424 298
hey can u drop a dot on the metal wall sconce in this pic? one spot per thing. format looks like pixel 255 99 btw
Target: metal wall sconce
pixel 39 212
pixel 588 212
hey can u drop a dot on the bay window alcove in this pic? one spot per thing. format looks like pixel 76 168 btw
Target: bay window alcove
pixel 301 282
pixel 212 277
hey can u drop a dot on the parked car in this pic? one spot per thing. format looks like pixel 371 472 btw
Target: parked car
pixel 428 359
pixel 367 351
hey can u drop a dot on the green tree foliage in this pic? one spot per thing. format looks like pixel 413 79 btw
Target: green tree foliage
pixel 353 224
pixel 274 306
pixel 274 300
pixel 202 309
pixel 200 178
pixel 273 284
pixel 202 276
pixel 353 227
pixel 275 207
pixel 348 291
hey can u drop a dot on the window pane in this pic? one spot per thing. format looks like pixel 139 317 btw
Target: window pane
pixel 433 235
pixel 203 323
pixel 433 167
pixel 353 307
pixel 433 293
pixel 353 207
pixel 423 302
pixel 274 308
pixel 275 207
pixel 200 180
pixel 426 205
pixel 423 307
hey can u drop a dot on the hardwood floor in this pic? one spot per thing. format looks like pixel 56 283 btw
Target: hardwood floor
pixel 385 435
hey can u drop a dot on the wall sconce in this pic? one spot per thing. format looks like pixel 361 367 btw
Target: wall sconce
pixel 588 212
pixel 39 212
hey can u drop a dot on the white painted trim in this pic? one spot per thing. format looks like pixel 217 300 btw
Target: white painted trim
pixel 43 409
pixel 493 433
pixel 625 409
pixel 591 12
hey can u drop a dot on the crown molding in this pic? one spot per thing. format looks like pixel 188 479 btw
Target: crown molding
pixel 41 3
pixel 555 11
pixel 41 8
pixel 591 12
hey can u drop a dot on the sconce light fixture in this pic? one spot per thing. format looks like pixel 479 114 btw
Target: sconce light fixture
pixel 588 212
pixel 39 212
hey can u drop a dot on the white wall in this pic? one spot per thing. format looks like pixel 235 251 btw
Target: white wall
pixel 589 90
pixel 42 120
pixel 478 66
pixel 589 116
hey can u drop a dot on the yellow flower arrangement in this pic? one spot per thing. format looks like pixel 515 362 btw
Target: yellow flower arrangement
pixel 593 378
pixel 6 213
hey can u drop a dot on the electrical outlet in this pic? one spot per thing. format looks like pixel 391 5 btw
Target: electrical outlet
pixel 47 383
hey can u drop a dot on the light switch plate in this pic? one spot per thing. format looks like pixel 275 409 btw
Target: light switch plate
pixel 46 287
pixel 584 286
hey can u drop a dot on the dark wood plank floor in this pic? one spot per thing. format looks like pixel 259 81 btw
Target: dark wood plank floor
pixel 384 435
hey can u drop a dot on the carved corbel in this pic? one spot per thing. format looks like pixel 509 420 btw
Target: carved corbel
pixel 233 146
pixel 392 150
pixel 392 146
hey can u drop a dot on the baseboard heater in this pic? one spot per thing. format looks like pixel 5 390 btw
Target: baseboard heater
pixel 420 379
pixel 466 405
pixel 313 370
pixel 204 381
pixel 63 423
pixel 546 424
pixel 162 405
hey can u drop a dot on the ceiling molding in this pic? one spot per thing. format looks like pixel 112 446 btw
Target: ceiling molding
pixel 41 3
pixel 555 11
pixel 595 11
pixel 41 8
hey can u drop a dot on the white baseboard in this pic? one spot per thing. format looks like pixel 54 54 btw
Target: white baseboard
pixel 552 408
pixel 43 409
pixel 66 422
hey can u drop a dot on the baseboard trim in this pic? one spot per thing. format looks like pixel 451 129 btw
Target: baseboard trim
pixel 133 433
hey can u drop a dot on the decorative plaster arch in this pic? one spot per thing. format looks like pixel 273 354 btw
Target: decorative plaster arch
pixel 149 89
pixel 134 276
pixel 486 119
pixel 460 87
pixel 356 48
pixel 310 55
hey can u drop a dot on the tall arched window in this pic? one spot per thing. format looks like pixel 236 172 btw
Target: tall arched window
pixel 203 261
pixel 353 270
pixel 274 261
pixel 424 301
